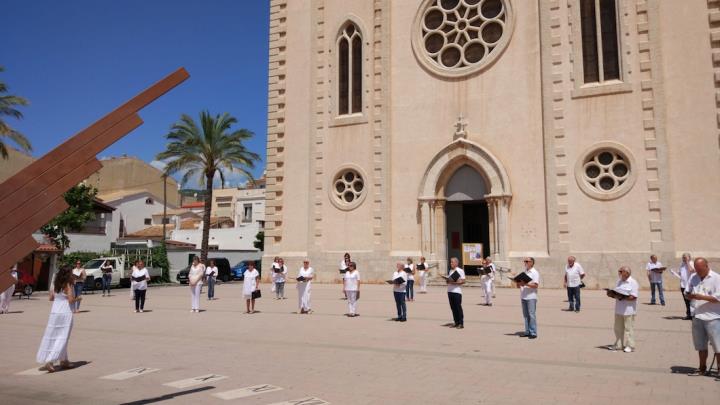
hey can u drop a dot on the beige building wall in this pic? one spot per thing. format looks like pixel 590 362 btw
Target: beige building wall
pixel 123 173
pixel 14 163
pixel 526 122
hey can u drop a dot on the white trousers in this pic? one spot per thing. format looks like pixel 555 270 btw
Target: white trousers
pixel 5 298
pixel 487 287
pixel 352 302
pixel 304 296
pixel 423 280
pixel 195 292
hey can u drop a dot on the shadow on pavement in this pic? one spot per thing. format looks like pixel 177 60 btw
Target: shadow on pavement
pixel 167 397
pixel 681 370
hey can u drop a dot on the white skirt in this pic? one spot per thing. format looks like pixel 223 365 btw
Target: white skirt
pixel 55 340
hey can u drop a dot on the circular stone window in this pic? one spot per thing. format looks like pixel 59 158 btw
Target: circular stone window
pixel 347 190
pixel 455 38
pixel 606 171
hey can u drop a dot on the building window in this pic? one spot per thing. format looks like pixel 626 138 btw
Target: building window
pixel 606 171
pixel 148 221
pixel 600 40
pixel 149 201
pixel 347 190
pixel 224 198
pixel 166 220
pixel 459 37
pixel 349 46
pixel 224 205
pixel 247 213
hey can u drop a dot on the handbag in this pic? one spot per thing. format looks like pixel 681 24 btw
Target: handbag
pixel 582 284
pixel 256 294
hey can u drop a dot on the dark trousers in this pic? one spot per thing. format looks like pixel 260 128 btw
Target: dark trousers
pixel 400 304
pixel 573 294
pixel 455 300
pixel 410 289
pixel 687 303
pixel 139 299
pixel 211 287
pixel 106 279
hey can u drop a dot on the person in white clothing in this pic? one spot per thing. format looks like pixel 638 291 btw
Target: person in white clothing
pixel 279 276
pixel 422 269
pixel 454 292
pixel 344 263
pixel 195 276
pixel 6 295
pixel 625 311
pixel 132 283
pixel 79 276
pixel 489 262
pixel 251 284
pixel 487 281
pixel 351 280
pixel 655 276
pixel 685 271
pixel 304 283
pixel 528 298
pixel 53 346
pixel 704 291
pixel 410 287
pixel 211 273
pixel 399 283
pixel 139 277
pixel 572 280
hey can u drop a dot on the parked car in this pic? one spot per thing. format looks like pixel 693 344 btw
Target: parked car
pixel 122 268
pixel 25 284
pixel 224 272
pixel 239 269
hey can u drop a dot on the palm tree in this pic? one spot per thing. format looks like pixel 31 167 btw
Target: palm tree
pixel 8 103
pixel 206 150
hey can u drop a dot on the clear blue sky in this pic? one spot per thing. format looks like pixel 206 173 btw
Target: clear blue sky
pixel 77 60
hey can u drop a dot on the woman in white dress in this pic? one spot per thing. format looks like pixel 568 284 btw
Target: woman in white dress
pixel 197 272
pixel 6 295
pixel 139 277
pixel 422 269
pixel 343 268
pixel 352 288
pixel 305 276
pixel 251 283
pixel 57 333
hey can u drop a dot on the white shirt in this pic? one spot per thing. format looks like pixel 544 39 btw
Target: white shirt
pixel 456 288
pixel 686 270
pixel 211 271
pixel 249 281
pixel 655 277
pixel 306 273
pixel 400 287
pixel 412 268
pixel 352 279
pixel 710 285
pixel 343 266
pixel 279 277
pixel 140 285
pixel 529 293
pixel 629 287
pixel 574 274
pixel 490 276
pixel 196 270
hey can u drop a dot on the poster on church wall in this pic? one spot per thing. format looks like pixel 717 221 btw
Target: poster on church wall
pixel 472 254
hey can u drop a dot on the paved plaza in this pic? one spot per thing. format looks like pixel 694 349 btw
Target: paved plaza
pixel 170 355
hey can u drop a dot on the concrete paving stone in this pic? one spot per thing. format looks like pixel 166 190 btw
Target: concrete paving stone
pixel 362 360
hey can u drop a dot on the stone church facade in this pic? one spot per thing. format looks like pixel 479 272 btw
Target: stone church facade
pixel 541 128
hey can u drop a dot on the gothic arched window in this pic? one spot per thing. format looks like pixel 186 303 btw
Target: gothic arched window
pixel 349 46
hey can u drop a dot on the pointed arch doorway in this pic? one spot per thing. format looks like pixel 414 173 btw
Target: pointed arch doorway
pixel 465 193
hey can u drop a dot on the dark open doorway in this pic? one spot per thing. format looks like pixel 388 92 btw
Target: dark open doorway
pixel 467 222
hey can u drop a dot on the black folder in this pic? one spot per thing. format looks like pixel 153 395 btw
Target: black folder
pixel 343 271
pixel 454 276
pixel 301 278
pixel 138 279
pixel 277 270
pixel 484 270
pixel 408 270
pixel 616 294
pixel 421 266
pixel 398 280
pixel 522 277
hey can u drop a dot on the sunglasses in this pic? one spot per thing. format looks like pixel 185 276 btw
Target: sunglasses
pixel 527 261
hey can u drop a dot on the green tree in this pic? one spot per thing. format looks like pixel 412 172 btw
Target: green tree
pixel 205 150
pixel 8 104
pixel 259 242
pixel 160 259
pixel 80 199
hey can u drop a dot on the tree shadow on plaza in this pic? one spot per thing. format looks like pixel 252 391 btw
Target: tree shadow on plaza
pixel 518 334
pixel 681 370
pixel 674 318
pixel 168 397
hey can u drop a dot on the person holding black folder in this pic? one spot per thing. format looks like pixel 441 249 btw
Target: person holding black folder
pixel 304 282
pixel 410 287
pixel 422 269
pixel 454 280
pixel 140 277
pixel 351 280
pixel 655 271
pixel 399 283
pixel 528 282
pixel 344 263
pixel 278 277
pixel 625 294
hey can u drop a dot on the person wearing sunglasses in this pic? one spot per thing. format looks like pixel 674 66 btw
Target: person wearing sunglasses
pixel 625 310
pixel 528 298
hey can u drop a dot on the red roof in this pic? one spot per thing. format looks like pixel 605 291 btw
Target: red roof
pixel 46 247
pixel 198 204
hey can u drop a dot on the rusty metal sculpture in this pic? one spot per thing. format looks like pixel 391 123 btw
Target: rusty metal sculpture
pixel 34 196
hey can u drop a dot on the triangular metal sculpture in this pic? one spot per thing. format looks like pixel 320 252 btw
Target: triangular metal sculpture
pixel 34 195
